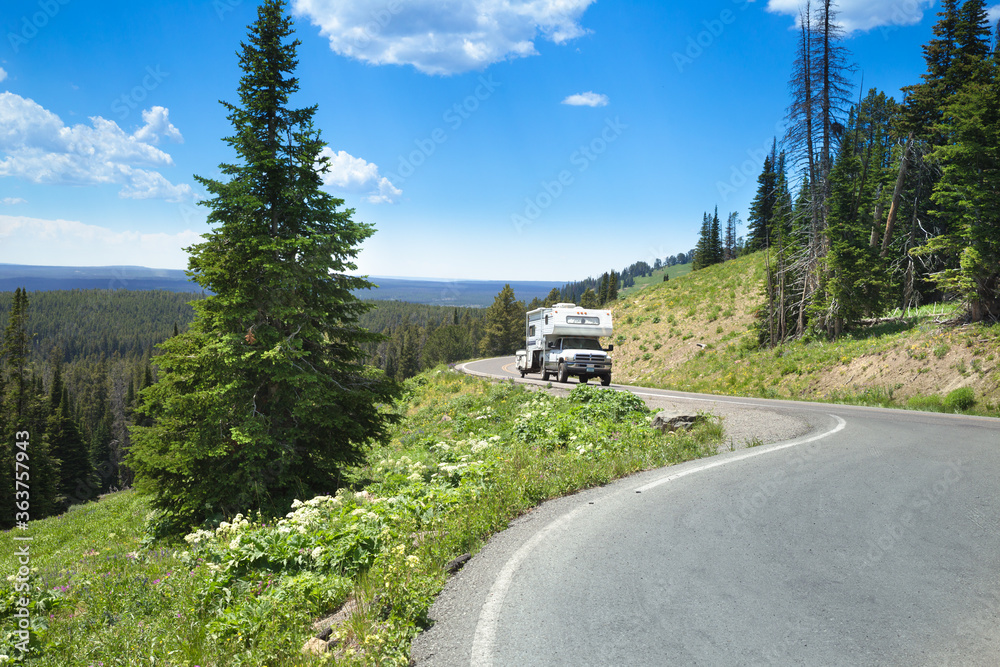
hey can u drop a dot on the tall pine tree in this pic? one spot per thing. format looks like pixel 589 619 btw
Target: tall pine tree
pixel 265 398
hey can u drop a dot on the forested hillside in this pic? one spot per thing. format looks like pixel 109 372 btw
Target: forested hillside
pixel 869 204
pixel 84 356
pixel 73 364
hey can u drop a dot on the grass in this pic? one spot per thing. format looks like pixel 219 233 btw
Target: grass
pixel 467 457
pixel 672 272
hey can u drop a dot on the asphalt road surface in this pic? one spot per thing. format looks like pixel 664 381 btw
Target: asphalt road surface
pixel 871 539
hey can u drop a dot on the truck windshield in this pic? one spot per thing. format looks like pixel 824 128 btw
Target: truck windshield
pixel 580 344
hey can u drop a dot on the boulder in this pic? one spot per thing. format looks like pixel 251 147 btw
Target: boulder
pixel 671 420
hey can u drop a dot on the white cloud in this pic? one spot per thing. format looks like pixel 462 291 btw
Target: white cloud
pixel 37 146
pixel 158 124
pixel 70 243
pixel 588 99
pixel 994 14
pixel 442 37
pixel 3 74
pixel 10 201
pixel 353 174
pixel 864 15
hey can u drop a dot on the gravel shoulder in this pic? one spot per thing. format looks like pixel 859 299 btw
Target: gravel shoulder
pixel 743 425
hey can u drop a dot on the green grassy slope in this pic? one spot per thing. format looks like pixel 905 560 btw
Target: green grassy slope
pixel 656 278
pixel 693 334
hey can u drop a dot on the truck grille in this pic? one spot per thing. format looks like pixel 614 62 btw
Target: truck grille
pixel 590 358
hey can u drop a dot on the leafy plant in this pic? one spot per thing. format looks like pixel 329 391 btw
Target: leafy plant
pixel 960 399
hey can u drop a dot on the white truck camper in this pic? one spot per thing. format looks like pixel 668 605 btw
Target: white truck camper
pixel 565 340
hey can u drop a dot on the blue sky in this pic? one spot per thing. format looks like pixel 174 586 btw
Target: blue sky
pixel 525 140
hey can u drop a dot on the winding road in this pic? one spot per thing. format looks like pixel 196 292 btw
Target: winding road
pixel 871 539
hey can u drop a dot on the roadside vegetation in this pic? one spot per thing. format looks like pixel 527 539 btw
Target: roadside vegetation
pixel 697 334
pixel 466 457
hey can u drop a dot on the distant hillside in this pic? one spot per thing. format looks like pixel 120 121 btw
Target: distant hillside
pixel 471 293
pixel 48 278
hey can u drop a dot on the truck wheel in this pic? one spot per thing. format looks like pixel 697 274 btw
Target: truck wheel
pixel 583 379
pixel 523 373
pixel 563 373
pixel 606 380
pixel 545 374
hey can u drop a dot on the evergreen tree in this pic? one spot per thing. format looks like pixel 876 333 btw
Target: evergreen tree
pixel 709 250
pixel 968 193
pixel 265 398
pixel 717 252
pixel 76 483
pixel 100 450
pixel 972 41
pixel 504 325
pixel 408 341
pixel 589 299
pixel 552 299
pixel 729 243
pixel 447 344
pixel 613 287
pixel 922 100
pixel 702 251
pixel 857 275
pixel 16 350
pixel 762 207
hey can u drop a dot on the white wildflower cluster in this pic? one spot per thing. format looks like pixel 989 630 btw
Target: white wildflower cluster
pixel 309 513
pixel 412 470
pixel 450 471
pixel 199 537
pixel 536 407
pixel 486 412
pixel 365 514
pixel 480 445
pixel 227 529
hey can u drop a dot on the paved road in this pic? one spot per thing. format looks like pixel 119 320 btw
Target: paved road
pixel 874 539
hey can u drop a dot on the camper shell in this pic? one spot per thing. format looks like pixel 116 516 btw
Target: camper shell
pixel 565 340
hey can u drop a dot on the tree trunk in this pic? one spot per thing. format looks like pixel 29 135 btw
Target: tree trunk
pixel 896 195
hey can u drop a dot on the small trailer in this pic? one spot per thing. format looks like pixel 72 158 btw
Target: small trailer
pixel 565 340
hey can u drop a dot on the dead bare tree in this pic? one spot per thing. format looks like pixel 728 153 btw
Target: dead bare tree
pixel 820 98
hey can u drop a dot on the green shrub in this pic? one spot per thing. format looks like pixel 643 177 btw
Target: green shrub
pixel 927 403
pixel 613 405
pixel 960 399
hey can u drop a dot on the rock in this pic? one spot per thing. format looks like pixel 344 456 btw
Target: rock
pixel 321 626
pixel 315 646
pixel 455 565
pixel 671 420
